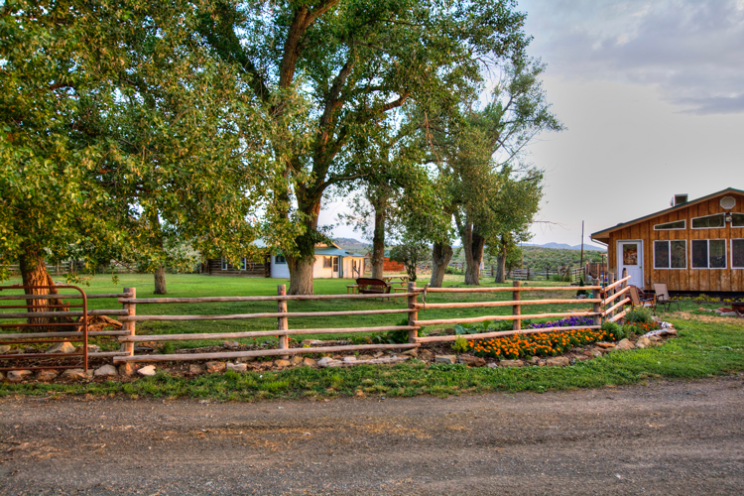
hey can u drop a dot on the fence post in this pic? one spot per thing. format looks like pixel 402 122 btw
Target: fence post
pixel 516 308
pixel 624 285
pixel 130 325
pixel 283 321
pixel 611 281
pixel 412 316
pixel 597 307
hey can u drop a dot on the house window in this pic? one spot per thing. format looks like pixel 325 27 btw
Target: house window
pixel 670 254
pixel 708 254
pixel 279 259
pixel 335 264
pixel 671 226
pixel 737 220
pixel 737 253
pixel 327 263
pixel 708 222
pixel 243 263
pixel 224 264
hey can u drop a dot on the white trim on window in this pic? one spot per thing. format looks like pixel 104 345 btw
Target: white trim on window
pixel 708 267
pixel 692 223
pixel 669 251
pixel 684 225
pixel 732 253
pixel 224 264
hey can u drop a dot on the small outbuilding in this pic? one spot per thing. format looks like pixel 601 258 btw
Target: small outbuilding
pixel 694 246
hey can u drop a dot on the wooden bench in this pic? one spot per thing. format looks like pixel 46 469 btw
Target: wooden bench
pixel 372 286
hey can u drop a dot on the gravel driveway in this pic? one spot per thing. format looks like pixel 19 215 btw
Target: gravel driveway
pixel 664 438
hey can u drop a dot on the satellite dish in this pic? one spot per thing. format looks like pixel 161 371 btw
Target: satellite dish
pixel 728 202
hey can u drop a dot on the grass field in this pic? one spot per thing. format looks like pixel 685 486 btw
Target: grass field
pixel 707 345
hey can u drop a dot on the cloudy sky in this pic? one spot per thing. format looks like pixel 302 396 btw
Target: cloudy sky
pixel 652 96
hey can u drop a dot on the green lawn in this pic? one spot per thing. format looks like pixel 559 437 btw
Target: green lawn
pixel 703 349
pixel 189 285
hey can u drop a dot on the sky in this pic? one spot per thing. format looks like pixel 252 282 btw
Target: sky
pixel 652 97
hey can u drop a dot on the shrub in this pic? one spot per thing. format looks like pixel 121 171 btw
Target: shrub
pixel 460 345
pixel 639 315
pixel 614 329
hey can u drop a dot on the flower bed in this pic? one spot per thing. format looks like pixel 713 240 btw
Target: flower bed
pixel 548 344
pixel 569 322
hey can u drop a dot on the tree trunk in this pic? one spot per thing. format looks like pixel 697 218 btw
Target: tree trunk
pixel 501 267
pixel 34 273
pixel 378 243
pixel 473 244
pixel 441 255
pixel 160 280
pixel 301 275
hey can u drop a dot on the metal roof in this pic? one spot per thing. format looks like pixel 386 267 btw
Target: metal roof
pixel 662 212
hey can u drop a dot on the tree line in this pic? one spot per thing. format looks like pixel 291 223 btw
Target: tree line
pixel 148 131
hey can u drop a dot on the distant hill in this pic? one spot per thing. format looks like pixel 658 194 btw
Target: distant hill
pixel 350 243
pixel 565 246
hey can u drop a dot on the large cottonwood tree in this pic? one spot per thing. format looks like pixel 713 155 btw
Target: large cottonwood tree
pixel 117 129
pixel 353 64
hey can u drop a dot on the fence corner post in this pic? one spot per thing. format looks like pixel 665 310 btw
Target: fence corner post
pixel 283 322
pixel 625 285
pixel 413 313
pixel 130 325
pixel 517 308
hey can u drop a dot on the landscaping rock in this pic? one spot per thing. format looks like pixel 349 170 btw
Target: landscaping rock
pixel 511 363
pixel 412 352
pixel 350 359
pixel 46 375
pixel 534 360
pixel 325 361
pixel 309 362
pixel 296 360
pixel 105 370
pixel 127 368
pixel 92 348
pixel 581 358
pixel 450 331
pixel 606 345
pixel 19 375
pixel 195 368
pixel 426 355
pixel 74 374
pixel 282 363
pixel 472 361
pixel 624 344
pixel 557 362
pixel 63 347
pixel 643 342
pixel 148 371
pixel 593 353
pixel 450 359
pixel 4 349
pixel 231 345
pixel 237 367
pixel 214 367
pixel 378 354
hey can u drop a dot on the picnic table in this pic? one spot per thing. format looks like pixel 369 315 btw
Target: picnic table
pixel 389 279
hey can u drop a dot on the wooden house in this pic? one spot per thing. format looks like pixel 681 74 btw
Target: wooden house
pixel 330 262
pixel 694 246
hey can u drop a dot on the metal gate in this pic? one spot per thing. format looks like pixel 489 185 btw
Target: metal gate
pixel 42 335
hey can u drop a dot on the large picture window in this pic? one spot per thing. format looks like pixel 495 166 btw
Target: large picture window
pixel 737 253
pixel 737 220
pixel 670 254
pixel 671 226
pixel 708 222
pixel 708 254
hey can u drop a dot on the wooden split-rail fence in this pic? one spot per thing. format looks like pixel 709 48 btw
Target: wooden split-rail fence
pixel 608 303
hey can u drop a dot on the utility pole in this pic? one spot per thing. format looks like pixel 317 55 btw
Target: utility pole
pixel 581 263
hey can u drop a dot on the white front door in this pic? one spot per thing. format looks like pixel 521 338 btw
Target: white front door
pixel 630 258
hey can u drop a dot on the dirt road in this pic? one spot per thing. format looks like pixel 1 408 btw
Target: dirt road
pixel 665 438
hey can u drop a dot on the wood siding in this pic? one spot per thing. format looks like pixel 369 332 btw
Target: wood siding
pixel 712 280
pixel 213 267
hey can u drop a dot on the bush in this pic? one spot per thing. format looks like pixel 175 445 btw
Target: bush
pixel 639 315
pixel 460 345
pixel 614 329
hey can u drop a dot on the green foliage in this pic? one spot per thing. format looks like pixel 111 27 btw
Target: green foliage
pixel 410 253
pixel 460 345
pixel 614 329
pixel 639 315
